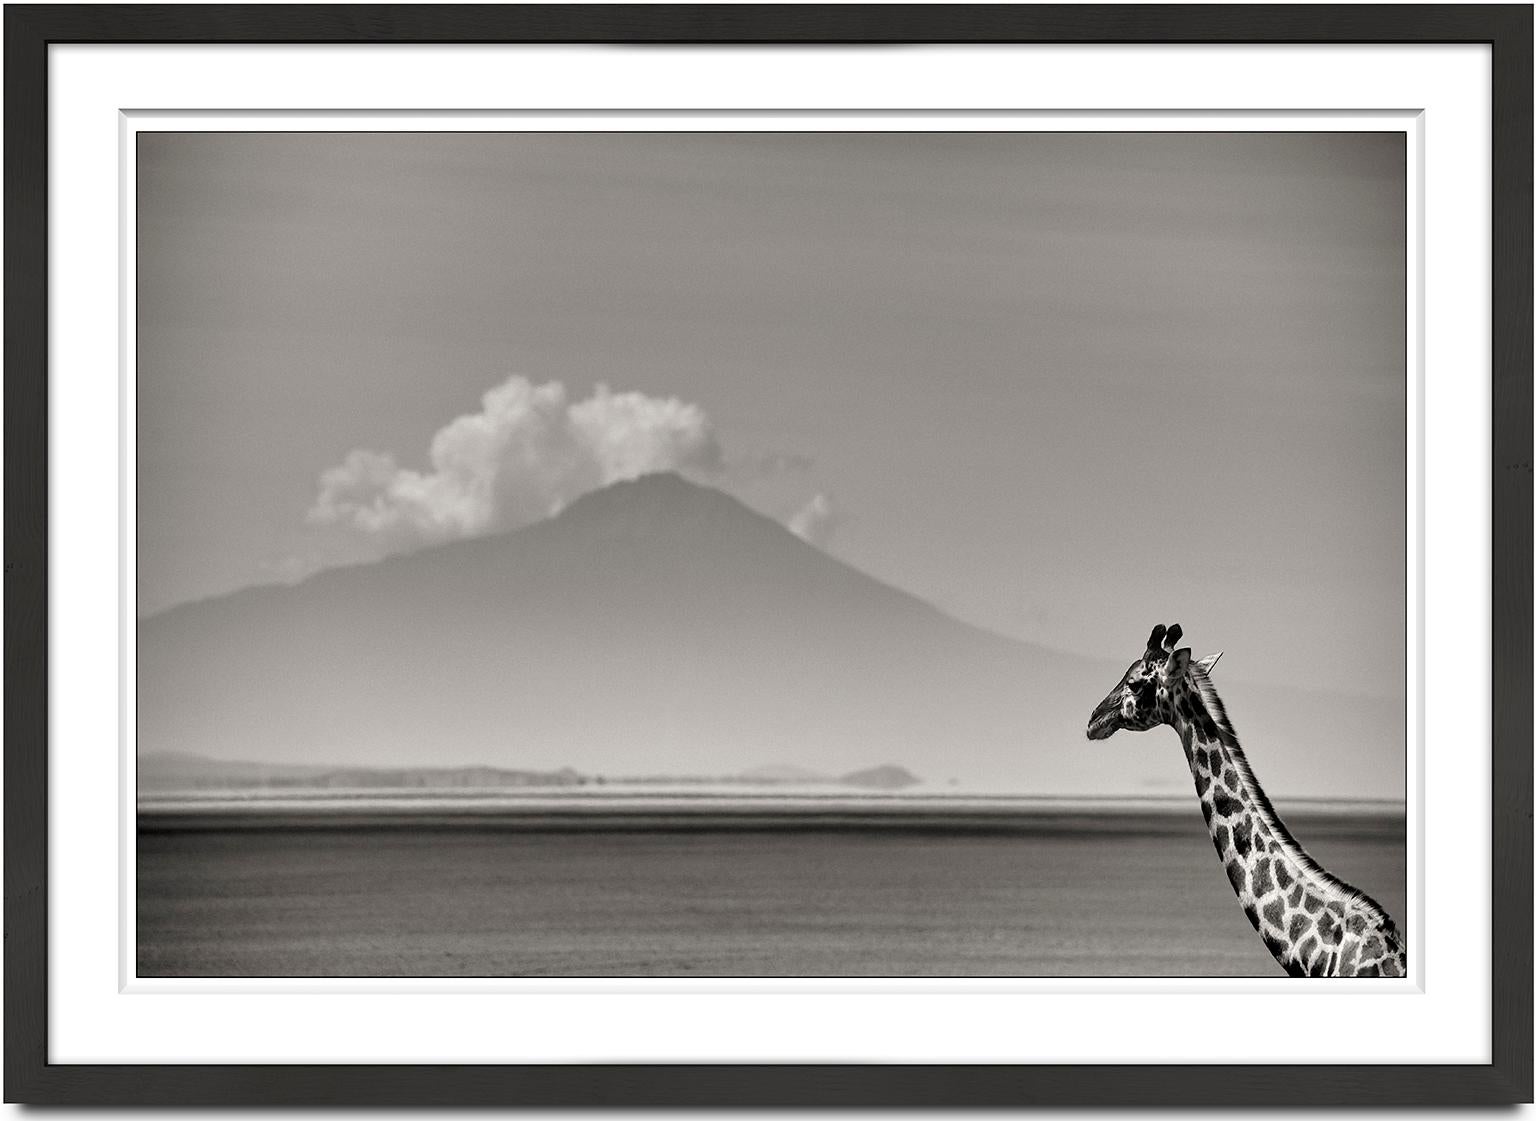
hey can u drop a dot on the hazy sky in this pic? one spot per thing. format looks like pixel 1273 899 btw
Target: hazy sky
pixel 1062 386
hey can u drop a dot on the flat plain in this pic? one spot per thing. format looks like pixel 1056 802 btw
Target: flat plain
pixel 1040 893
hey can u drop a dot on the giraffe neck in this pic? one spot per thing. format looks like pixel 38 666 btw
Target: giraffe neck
pixel 1311 922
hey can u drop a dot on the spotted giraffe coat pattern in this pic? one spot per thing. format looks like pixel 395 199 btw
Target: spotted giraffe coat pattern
pixel 1312 923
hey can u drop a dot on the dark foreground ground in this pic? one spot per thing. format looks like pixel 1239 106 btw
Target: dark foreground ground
pixel 662 895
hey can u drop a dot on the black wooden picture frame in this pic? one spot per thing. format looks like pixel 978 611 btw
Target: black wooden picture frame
pixel 31 1078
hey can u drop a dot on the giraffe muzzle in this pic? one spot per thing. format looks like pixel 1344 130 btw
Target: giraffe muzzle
pixel 1104 721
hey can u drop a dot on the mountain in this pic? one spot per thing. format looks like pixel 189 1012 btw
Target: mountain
pixel 884 777
pixel 178 772
pixel 661 627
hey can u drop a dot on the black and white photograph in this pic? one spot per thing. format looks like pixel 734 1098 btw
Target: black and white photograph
pixel 770 554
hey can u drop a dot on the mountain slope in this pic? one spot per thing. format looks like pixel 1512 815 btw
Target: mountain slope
pixel 655 626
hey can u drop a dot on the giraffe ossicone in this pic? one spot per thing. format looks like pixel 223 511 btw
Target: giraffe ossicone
pixel 1313 923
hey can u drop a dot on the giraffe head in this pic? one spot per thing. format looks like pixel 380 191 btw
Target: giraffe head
pixel 1150 691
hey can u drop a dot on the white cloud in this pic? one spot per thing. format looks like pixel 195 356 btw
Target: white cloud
pixel 524 456
pixel 817 520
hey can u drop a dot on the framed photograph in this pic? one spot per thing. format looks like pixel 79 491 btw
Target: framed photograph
pixel 805 555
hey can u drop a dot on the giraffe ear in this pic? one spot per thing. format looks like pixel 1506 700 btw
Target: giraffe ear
pixel 1206 664
pixel 1178 662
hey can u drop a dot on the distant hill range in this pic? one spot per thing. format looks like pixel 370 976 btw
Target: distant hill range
pixel 658 627
pixel 174 773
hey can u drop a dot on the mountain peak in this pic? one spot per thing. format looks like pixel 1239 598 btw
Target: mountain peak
pixel 656 489
pixel 664 502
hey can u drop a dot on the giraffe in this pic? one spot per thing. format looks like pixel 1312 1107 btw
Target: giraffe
pixel 1311 922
